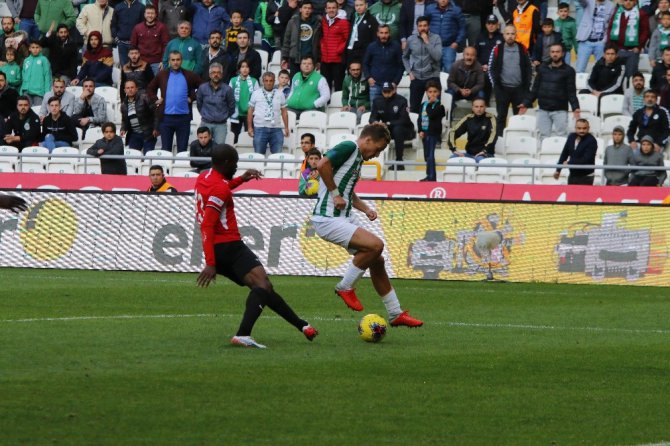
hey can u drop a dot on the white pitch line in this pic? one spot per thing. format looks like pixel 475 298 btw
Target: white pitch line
pixel 454 324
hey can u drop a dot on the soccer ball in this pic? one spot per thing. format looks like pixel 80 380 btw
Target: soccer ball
pixel 372 328
pixel 312 187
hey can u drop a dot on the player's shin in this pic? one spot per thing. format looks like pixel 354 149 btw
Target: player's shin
pixel 392 304
pixel 351 276
pixel 279 306
pixel 256 301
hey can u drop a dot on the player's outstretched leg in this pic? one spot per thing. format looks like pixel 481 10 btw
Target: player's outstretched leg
pixel 256 301
pixel 382 284
pixel 368 247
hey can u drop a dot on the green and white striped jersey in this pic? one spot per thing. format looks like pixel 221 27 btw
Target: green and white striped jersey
pixel 346 160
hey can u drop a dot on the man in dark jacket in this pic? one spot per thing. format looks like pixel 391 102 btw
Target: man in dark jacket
pixel 58 130
pixel 474 12
pixel 553 88
pixel 137 70
pixel 363 32
pixel 651 120
pixel 660 69
pixel 171 13
pixel 487 40
pixel 174 113
pixel 8 98
pixel 480 128
pixel 23 129
pixel 278 13
pixel 213 53
pixel 201 147
pixel 447 21
pixel 392 110
pixel 137 118
pixel 382 62
pixel 580 149
pixel 607 75
pixel 510 74
pixel 301 38
pixel 127 14
pixel 466 78
pixel 63 53
pixel 244 52
pixel 545 40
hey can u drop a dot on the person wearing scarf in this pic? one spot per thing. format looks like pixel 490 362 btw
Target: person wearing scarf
pixel 660 38
pixel 242 85
pixel 363 32
pixel 629 29
pixel 97 62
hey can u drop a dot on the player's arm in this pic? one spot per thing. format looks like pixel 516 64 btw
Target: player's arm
pixel 251 174
pixel 359 204
pixel 325 169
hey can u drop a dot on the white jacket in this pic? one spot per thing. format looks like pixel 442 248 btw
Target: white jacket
pixel 94 18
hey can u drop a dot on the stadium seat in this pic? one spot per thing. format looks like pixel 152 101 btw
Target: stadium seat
pixel 74 89
pixel 275 169
pixel 61 167
pixel 644 66
pixel 365 120
pixel 594 123
pixel 403 87
pixel 312 121
pixel 588 103
pixel 153 157
pixel 275 63
pixel 251 160
pixel 72 159
pixel 264 60
pixel 582 81
pixel 6 166
pixel 523 175
pixel 612 104
pixel 133 164
pixel 116 76
pixel 519 145
pixel 9 154
pixel 92 135
pixel 491 170
pixel 525 125
pixel 89 165
pixel 183 172
pixel 551 149
pixel 341 122
pixel 444 80
pixel 612 121
pixel 459 170
pixel 547 176
pixel 373 169
pixel 335 104
pixel 245 143
pixel 33 164
pixel 447 99
pixel 292 139
pixel 333 140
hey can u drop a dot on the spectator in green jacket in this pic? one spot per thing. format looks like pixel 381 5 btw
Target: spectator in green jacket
pixel 387 12
pixel 355 91
pixel 567 26
pixel 36 75
pixel 48 12
pixel 189 48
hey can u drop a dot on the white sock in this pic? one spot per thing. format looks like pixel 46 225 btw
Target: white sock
pixel 351 276
pixel 392 304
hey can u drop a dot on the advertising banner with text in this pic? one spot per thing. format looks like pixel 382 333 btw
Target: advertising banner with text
pixel 564 243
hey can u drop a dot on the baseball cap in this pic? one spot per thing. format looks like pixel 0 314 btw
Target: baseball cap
pixel 492 19
pixel 388 86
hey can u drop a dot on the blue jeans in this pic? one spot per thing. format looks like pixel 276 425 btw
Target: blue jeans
pixel 218 131
pixel 267 135
pixel 30 27
pixel 175 124
pixel 51 143
pixel 137 141
pixel 375 92
pixel 448 58
pixel 429 143
pixel 123 48
pixel 584 52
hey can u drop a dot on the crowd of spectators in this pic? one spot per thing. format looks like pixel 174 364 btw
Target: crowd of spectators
pixel 176 54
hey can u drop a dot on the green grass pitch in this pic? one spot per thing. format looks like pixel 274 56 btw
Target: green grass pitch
pixel 116 358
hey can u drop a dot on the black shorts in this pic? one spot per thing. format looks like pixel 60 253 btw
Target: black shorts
pixel 234 260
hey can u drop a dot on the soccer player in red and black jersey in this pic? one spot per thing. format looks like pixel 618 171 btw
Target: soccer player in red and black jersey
pixel 226 254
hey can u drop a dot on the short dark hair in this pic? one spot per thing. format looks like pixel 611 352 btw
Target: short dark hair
pixel 149 6
pixel 157 167
pixel 383 26
pixel 664 13
pixel 53 99
pixel 215 31
pixel 637 74
pixel 243 31
pixel 311 137
pixel 479 99
pixel 548 22
pixel 314 151
pixel 667 48
pixel 88 79
pixel 563 5
pixel 243 62
pixel 377 131
pixel 130 80
pixel 423 18
pixel 2 73
pixel 649 91
pixel 203 129
pixel 583 121
pixel 432 83
pixel 133 48
pixel 307 56
pixel 108 125
pixel 237 11
pixel 222 153
pixel 289 74
pixel 23 98
pixel 62 25
pixel 611 46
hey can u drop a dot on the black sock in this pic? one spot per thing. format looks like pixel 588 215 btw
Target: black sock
pixel 256 301
pixel 279 306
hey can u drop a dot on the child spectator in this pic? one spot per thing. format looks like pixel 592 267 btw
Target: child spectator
pixel 355 91
pixel 242 85
pixel 309 176
pixel 545 40
pixel 36 75
pixel 660 38
pixel 58 130
pixel 429 124
pixel 647 156
pixel 231 33
pixel 567 26
pixel 284 83
pixel 109 144
pixel 12 69
pixel 617 154
pixel 96 63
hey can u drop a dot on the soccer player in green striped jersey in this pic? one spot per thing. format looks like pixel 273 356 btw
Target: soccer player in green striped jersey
pixel 339 170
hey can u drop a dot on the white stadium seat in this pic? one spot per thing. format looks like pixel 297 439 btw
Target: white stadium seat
pixel 520 145
pixel 312 121
pixel 459 169
pixel 251 160
pixel 491 170
pixel 275 169
pixel 523 175
pixel 341 122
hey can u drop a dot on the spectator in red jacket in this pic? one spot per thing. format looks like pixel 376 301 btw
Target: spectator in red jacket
pixel 334 37
pixel 150 37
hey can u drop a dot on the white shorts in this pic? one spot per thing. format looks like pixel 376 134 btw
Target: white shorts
pixel 335 230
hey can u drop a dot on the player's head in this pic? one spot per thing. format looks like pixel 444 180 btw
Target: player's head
pixel 156 175
pixel 373 140
pixel 313 157
pixel 224 160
